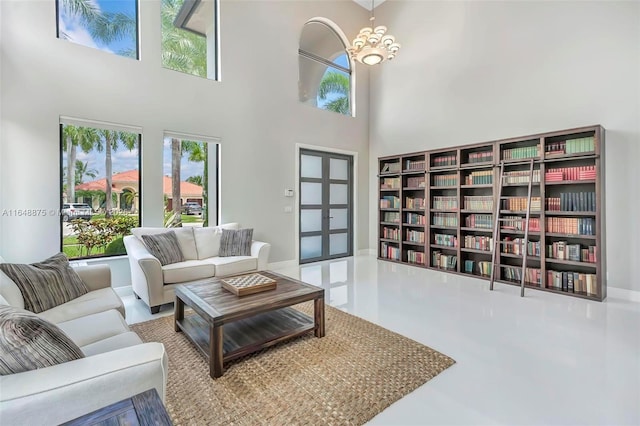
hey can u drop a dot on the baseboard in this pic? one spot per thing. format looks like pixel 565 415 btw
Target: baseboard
pixel 623 293
pixel 282 265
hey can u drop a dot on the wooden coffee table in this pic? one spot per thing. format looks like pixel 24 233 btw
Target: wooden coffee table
pixel 227 326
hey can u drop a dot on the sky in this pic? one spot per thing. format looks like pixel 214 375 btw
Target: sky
pixel 77 31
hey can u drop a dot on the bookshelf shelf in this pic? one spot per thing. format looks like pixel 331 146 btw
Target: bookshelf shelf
pixel 572 182
pixel 482 165
pixel 441 247
pixel 515 232
pixel 518 256
pixel 575 236
pixel 568 174
pixel 561 213
pixel 477 211
pixel 471 250
pixel 490 231
pixel 572 263
pixel 476 186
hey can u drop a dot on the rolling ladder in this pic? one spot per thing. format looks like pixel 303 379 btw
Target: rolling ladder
pixel 496 227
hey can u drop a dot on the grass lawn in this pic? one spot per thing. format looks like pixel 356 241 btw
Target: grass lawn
pixel 191 218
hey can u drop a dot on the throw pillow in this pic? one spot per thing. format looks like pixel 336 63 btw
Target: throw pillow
pixel 28 342
pixel 236 242
pixel 165 247
pixel 46 284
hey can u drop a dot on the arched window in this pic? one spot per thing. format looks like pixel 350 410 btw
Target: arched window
pixel 325 79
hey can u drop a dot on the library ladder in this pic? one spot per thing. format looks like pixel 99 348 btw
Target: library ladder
pixel 496 228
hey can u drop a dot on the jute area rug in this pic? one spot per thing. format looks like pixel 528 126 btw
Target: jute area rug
pixel 345 378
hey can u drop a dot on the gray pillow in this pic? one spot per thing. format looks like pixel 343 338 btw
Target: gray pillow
pixel 164 246
pixel 28 342
pixel 46 284
pixel 236 242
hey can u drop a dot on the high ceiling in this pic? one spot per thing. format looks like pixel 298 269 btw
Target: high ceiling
pixel 367 3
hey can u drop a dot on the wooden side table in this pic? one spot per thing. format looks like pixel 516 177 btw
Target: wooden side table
pixel 144 409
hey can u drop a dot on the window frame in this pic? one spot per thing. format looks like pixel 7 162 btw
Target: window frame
pixel 332 26
pixel 137 32
pixel 97 125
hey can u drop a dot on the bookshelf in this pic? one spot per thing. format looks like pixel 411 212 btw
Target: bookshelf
pixel 436 210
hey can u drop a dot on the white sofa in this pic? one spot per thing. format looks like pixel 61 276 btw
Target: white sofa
pixel 117 364
pixel 155 284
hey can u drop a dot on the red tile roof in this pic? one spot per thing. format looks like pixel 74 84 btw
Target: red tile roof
pixel 187 189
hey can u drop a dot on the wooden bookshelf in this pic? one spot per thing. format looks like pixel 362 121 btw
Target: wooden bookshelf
pixel 447 199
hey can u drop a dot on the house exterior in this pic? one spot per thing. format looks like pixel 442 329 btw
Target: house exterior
pixel 125 186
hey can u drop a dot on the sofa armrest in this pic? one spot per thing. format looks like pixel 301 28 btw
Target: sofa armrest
pixel 261 251
pixel 146 272
pixel 95 276
pixel 65 391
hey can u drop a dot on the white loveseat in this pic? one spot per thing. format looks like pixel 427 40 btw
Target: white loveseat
pixel 155 284
pixel 116 366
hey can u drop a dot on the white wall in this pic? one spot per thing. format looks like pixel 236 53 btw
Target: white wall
pixel 483 70
pixel 254 109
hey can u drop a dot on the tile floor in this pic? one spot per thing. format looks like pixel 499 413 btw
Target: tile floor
pixel 544 359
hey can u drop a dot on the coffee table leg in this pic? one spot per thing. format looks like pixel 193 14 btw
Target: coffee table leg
pixel 216 357
pixel 178 313
pixel 318 316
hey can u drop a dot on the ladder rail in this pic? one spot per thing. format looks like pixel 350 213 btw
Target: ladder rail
pixel 496 224
pixel 526 231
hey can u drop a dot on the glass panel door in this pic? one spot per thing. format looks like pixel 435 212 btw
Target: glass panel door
pixel 326 198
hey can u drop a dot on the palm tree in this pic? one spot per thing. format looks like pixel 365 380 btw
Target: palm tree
pixel 196 180
pixel 82 170
pixel 72 137
pixel 335 83
pixel 181 50
pixel 196 153
pixel 109 141
pixel 176 157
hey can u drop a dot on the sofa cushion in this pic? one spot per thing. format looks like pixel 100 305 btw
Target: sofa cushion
pixel 236 242
pixel 188 270
pixel 233 265
pixel 208 239
pixel 90 303
pixel 46 284
pixel 28 342
pixel 164 247
pixel 184 235
pixel 95 327
pixel 10 291
pixel 119 341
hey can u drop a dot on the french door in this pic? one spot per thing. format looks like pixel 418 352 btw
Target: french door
pixel 326 205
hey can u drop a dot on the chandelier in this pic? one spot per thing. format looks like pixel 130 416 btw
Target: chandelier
pixel 373 45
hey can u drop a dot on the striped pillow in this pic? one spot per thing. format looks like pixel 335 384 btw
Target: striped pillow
pixel 236 242
pixel 164 247
pixel 47 284
pixel 28 342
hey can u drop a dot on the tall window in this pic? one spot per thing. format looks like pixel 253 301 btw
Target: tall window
pixel 190 181
pixel 109 25
pixel 100 188
pixel 324 67
pixel 190 37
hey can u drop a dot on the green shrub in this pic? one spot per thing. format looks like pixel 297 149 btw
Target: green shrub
pixel 116 247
